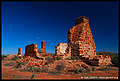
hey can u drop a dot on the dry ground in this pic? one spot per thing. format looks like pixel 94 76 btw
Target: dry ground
pixel 8 72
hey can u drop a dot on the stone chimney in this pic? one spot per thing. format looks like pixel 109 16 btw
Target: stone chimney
pixel 43 49
pixel 19 51
pixel 43 44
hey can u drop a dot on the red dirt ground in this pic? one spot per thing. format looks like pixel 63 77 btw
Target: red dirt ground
pixel 8 73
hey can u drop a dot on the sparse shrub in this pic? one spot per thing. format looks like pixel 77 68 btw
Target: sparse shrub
pixel 15 58
pixel 58 58
pixel 18 64
pixel 115 60
pixel 81 69
pixel 76 71
pixel 88 71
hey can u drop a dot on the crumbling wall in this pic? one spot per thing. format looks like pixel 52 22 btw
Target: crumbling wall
pixel 80 39
pixel 31 50
pixel 61 49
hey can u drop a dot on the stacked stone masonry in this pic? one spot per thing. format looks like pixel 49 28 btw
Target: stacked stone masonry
pixel 43 49
pixel 80 39
pixel 31 50
pixel 61 50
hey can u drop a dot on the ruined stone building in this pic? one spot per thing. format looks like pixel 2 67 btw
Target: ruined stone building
pixel 81 44
pixel 80 39
pixel 31 50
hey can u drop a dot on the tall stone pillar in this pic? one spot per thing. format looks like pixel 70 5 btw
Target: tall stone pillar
pixel 19 51
pixel 43 49
pixel 43 44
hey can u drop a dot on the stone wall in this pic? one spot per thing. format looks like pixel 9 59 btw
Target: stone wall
pixel 80 39
pixel 61 49
pixel 31 50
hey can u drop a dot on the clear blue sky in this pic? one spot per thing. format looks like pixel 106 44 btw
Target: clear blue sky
pixel 24 23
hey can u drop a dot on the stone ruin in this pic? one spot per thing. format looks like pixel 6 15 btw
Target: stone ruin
pixel 42 50
pixel 80 44
pixel 31 50
pixel 61 50
pixel 19 51
pixel 80 39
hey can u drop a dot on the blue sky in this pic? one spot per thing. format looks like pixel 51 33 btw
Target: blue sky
pixel 24 23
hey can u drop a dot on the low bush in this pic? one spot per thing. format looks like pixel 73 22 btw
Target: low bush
pixel 76 71
pixel 81 69
pixel 15 58
pixel 58 58
pixel 115 60
pixel 18 65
